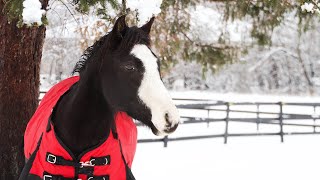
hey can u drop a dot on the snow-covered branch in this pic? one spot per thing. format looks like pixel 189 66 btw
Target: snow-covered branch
pixel 311 7
pixel 32 12
pixel 145 8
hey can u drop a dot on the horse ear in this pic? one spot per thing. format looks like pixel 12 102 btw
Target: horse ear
pixel 117 33
pixel 120 26
pixel 147 27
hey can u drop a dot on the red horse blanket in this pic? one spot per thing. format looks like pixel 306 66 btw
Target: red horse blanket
pixel 51 159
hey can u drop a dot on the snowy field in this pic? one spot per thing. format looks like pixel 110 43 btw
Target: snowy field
pixel 254 158
pixel 243 158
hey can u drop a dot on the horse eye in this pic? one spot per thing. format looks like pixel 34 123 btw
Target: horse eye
pixel 130 67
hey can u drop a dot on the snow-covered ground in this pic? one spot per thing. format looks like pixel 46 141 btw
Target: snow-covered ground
pixel 255 158
pixel 243 158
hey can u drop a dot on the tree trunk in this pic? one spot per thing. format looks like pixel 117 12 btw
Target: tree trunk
pixel 20 55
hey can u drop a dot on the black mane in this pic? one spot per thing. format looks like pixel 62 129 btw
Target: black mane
pixel 133 35
pixel 87 54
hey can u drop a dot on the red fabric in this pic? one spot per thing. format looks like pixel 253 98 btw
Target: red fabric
pixel 49 143
pixel 126 129
pixel 38 123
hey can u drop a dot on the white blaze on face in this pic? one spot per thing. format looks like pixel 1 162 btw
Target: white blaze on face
pixel 152 91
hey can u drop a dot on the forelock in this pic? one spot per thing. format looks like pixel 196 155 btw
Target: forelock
pixel 132 37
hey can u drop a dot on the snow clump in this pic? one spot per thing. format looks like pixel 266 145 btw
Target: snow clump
pixel 32 12
pixel 146 9
pixel 307 7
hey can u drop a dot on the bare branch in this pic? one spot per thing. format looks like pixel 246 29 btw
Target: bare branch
pixel 316 4
pixel 69 11
pixel 214 46
pixel 124 6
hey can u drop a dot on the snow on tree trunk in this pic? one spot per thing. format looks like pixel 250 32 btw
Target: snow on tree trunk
pixel 20 55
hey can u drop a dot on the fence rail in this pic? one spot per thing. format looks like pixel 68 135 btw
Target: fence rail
pixel 280 118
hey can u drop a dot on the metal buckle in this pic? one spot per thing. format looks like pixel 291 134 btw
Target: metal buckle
pixel 92 160
pixel 86 164
pixel 47 177
pixel 54 158
pixel 106 161
pixel 92 178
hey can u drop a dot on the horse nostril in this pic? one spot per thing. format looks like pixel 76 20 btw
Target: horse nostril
pixel 168 123
pixel 166 116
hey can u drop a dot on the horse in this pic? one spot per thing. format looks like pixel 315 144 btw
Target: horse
pixel 119 73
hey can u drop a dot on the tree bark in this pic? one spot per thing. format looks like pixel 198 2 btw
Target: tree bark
pixel 20 56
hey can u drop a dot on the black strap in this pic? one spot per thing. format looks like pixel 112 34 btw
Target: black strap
pixel 48 129
pixel 81 168
pixel 59 160
pixel 26 169
pixel 94 161
pixel 128 170
pixel 87 170
pixel 47 176
pixel 129 175
pixel 100 161
pixel 98 177
pixel 114 133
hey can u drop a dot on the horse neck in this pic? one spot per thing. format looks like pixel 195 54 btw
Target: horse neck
pixel 82 117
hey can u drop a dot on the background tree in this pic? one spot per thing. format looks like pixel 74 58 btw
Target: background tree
pixel 173 30
pixel 204 32
pixel 20 56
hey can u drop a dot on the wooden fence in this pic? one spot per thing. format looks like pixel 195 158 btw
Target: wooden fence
pixel 276 121
pixel 280 119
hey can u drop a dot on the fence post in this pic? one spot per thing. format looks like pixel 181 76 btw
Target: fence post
pixel 281 120
pixel 314 119
pixel 227 123
pixel 258 116
pixel 208 118
pixel 165 141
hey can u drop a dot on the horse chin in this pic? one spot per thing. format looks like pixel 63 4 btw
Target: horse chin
pixel 154 130
pixel 158 133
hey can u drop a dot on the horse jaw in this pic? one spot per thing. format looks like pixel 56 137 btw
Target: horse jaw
pixel 152 92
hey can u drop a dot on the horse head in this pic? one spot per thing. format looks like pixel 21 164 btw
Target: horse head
pixel 130 78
